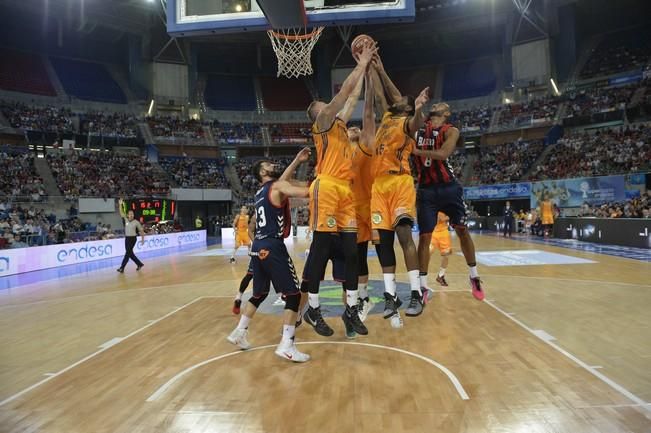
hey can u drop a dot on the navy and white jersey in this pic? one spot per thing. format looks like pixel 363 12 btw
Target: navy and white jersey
pixel 271 221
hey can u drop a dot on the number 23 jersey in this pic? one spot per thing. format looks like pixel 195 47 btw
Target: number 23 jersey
pixel 271 221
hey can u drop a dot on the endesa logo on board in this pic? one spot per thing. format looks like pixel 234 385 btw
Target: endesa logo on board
pixel 86 252
pixel 153 243
pixel 189 238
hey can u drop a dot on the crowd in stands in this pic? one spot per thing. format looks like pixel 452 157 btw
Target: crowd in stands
pixel 168 126
pixel 619 53
pixel 536 111
pixel 104 174
pixel 18 177
pixel 246 133
pixel 639 207
pixel 473 119
pixel 505 163
pixel 47 119
pixel 109 124
pixel 605 152
pixel 591 101
pixel 290 132
pixel 196 173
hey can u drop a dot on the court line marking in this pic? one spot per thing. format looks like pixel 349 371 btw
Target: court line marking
pixel 455 382
pixel 608 381
pixel 94 354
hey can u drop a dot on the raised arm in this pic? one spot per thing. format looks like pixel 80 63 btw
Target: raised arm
pixel 327 115
pixel 351 102
pixel 418 118
pixel 368 121
pixel 121 208
pixel 447 149
pixel 283 189
pixel 378 89
pixel 391 89
pixel 302 156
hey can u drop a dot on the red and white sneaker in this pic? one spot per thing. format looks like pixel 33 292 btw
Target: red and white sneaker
pixel 291 353
pixel 441 280
pixel 477 291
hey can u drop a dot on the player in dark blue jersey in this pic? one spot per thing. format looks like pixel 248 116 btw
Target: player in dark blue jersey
pixel 244 284
pixel 270 259
pixel 439 191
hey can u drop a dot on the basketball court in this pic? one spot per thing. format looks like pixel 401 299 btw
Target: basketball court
pixel 556 347
pixel 561 343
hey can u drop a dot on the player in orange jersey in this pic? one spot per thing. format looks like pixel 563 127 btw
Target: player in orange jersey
pixel 331 198
pixel 442 241
pixel 364 147
pixel 393 196
pixel 241 228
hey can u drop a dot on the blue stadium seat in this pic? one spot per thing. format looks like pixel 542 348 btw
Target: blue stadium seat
pixel 89 81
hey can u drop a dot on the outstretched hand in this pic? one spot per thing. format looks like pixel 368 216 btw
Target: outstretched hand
pixel 422 98
pixel 303 155
pixel 369 50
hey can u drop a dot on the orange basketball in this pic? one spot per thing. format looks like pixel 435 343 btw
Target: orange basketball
pixel 358 43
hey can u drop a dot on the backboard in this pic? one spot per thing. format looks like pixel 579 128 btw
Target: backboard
pixel 205 17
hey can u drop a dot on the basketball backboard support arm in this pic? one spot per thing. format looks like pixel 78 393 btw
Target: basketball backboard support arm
pixel 345 33
pixel 173 39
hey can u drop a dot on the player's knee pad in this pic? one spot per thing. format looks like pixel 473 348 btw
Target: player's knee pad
pixel 292 301
pixel 304 286
pixel 256 301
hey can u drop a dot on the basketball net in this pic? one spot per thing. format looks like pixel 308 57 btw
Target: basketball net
pixel 293 48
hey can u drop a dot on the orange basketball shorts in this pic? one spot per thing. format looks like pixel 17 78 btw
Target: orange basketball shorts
pixel 331 205
pixel 442 241
pixel 393 198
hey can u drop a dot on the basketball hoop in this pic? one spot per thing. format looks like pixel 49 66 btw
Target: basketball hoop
pixel 293 48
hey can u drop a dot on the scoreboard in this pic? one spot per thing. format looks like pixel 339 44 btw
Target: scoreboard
pixel 150 210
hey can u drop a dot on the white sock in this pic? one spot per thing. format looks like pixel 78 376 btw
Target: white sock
pixel 442 272
pixel 313 300
pixel 288 334
pixel 351 297
pixel 390 284
pixel 244 322
pixel 238 296
pixel 423 279
pixel 473 272
pixel 363 290
pixel 414 281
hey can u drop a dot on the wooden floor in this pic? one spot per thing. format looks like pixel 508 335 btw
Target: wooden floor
pixel 556 348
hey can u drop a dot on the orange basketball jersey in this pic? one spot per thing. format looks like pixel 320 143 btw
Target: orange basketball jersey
pixel 334 154
pixel 243 223
pixel 362 174
pixel 393 146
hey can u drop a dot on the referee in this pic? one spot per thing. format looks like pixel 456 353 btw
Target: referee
pixel 131 227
